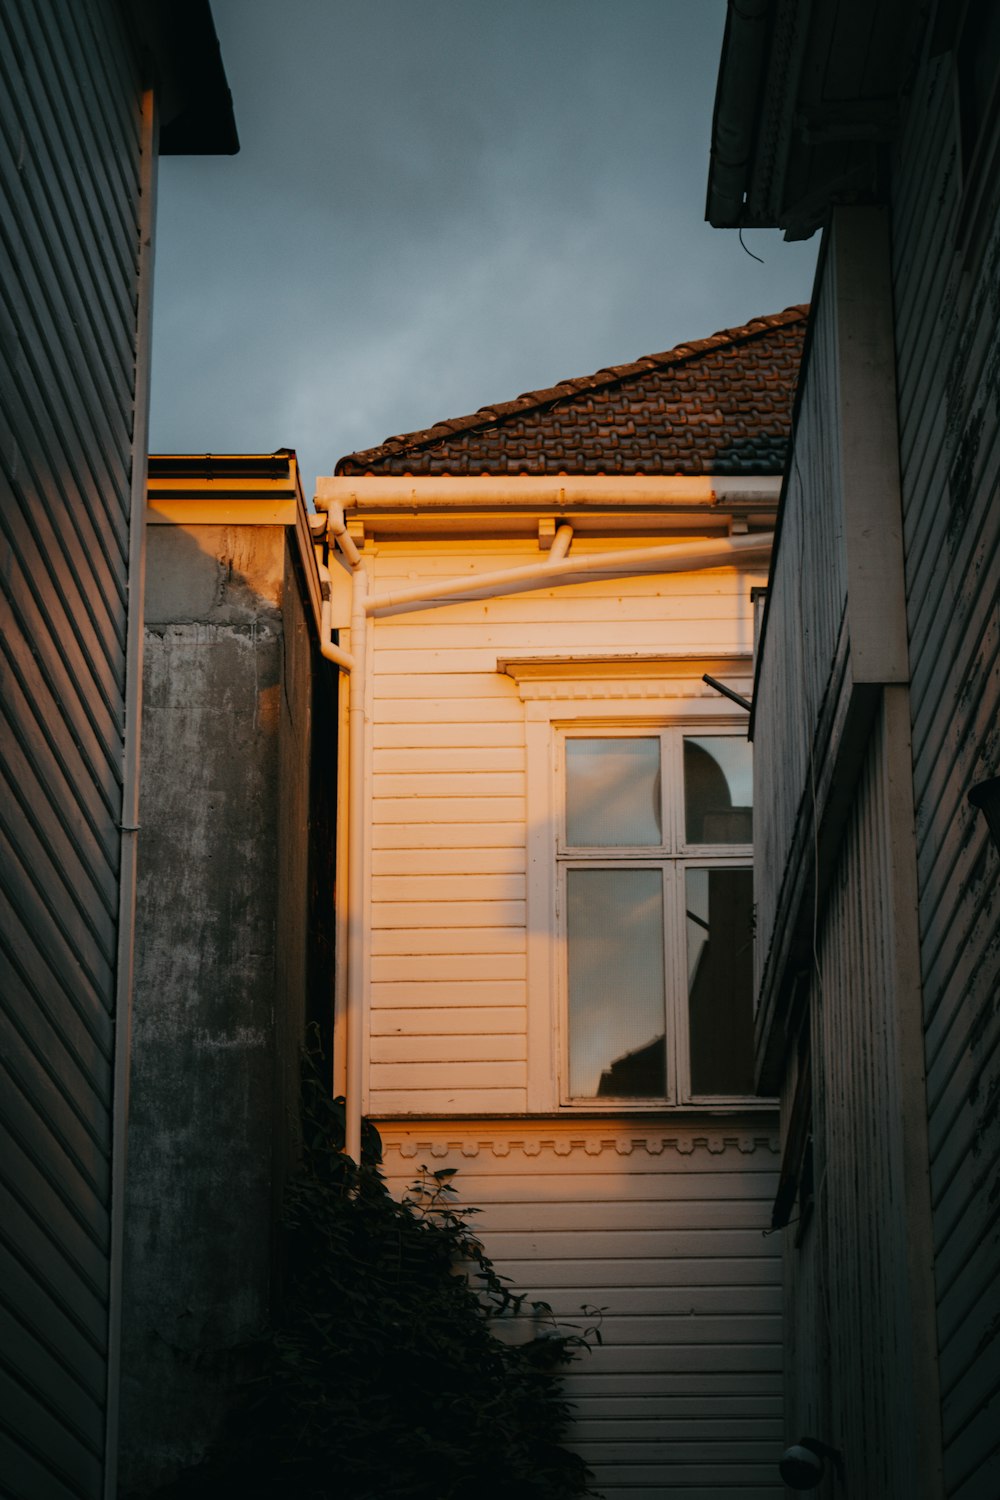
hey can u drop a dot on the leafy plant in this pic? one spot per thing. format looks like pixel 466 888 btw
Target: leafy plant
pixel 384 1378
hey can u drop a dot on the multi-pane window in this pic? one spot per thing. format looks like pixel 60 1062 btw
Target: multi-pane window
pixel 656 903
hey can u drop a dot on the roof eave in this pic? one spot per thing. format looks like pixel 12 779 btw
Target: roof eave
pixel 195 104
pixel 742 69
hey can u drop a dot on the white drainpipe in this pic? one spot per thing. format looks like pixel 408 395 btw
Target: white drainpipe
pixel 353 662
pixel 558 569
pixel 682 557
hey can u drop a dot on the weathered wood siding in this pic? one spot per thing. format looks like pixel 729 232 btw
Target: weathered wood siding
pixel 660 1226
pixel 949 384
pixel 804 655
pixel 70 111
pixel 448 886
pixel 852 1361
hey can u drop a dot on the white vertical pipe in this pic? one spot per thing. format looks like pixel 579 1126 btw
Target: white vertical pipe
pixel 357 788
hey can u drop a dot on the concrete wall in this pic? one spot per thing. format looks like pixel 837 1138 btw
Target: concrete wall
pixel 215 1041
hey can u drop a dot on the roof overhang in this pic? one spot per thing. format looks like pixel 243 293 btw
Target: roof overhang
pixel 194 102
pixel 525 504
pixel 807 95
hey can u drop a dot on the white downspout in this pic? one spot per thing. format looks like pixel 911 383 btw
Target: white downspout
pixel 353 662
pixel 356 753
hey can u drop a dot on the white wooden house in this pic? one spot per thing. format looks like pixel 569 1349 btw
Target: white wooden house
pixel 547 905
pixel 875 716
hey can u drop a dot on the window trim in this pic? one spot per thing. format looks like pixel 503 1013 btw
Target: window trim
pixel 629 693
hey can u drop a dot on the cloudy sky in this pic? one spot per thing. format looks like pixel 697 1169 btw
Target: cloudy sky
pixel 439 204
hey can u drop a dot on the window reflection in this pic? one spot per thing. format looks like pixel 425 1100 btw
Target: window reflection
pixel 720 979
pixel 615 952
pixel 718 790
pixel 613 793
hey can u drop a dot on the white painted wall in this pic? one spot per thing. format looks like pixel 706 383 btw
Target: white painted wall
pixel 448 914
pixel 660 1225
pixel 656 1216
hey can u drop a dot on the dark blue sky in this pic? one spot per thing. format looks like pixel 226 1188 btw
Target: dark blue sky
pixel 437 204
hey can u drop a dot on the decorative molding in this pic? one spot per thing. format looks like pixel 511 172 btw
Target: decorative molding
pixel 655 1143
pixel 626 675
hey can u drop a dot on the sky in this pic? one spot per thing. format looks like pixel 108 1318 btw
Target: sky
pixel 440 204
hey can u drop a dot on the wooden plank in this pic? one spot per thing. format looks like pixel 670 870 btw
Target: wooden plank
pixel 587 1184
pixel 39 785
pixel 709 637
pixel 427 836
pixel 72 341
pixel 49 1323
pixel 79 1414
pixel 490 962
pixel 702 1386
pixel 451 735
pixel 602 1244
pixel 433 646
pixel 652 598
pixel 457 888
pixel 64 1473
pixel 75 153
pixel 38 712
pixel 434 1101
pixel 449 1005
pixel 46 1097
pixel 36 830
pixel 450 942
pixel 434 784
pixel 27 871
pixel 417 1077
pixel 438 760
pixel 430 1048
pixel 69 1005
pixel 411 915
pixel 488 698
pixel 425 809
pixel 73 653
pixel 57 490
pixel 467 861
pixel 631 1215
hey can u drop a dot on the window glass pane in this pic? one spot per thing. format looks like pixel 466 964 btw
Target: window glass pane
pixel 718 790
pixel 613 793
pixel 616 1009
pixel 720 980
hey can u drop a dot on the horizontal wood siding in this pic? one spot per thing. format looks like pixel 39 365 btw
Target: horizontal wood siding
pixel 949 379
pixel 70 109
pixel 805 613
pixel 661 1229
pixel 851 1350
pixel 447 917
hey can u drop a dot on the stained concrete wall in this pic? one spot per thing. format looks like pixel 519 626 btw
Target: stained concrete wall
pixel 218 993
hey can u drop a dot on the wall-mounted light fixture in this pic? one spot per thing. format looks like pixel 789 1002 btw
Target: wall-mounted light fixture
pixel 986 796
pixel 801 1466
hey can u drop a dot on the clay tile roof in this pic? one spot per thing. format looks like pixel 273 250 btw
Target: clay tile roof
pixel 721 405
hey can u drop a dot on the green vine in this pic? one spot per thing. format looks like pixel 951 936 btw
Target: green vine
pixel 384 1378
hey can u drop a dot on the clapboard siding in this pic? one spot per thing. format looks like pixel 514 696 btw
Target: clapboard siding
pixel 447 892
pixel 661 1230
pixel 70 111
pixel 798 666
pixel 854 1259
pixel 948 357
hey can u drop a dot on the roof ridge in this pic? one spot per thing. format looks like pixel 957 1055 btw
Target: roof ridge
pixel 564 390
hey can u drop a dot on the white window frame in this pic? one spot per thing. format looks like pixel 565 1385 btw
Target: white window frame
pixel 601 697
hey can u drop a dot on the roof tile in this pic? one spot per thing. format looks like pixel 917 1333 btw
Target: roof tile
pixel 720 405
